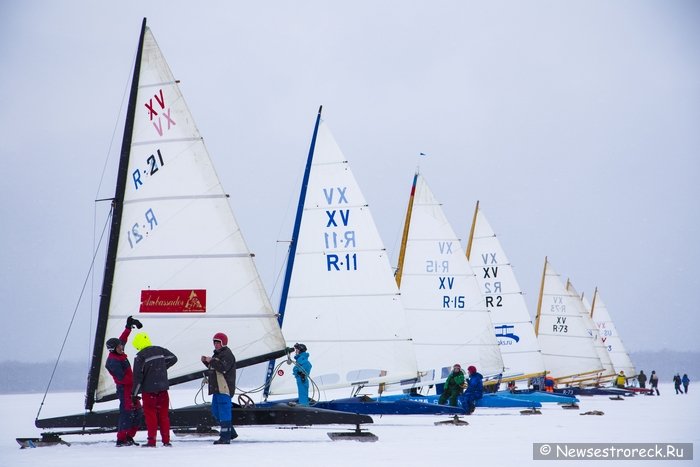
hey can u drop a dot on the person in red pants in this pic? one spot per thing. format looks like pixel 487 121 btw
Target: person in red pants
pixel 151 380
pixel 119 367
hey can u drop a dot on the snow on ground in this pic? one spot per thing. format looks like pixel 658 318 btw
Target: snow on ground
pixel 494 437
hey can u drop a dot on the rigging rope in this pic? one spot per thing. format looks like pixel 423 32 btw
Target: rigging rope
pixel 75 311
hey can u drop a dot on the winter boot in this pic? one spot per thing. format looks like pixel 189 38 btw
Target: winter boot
pixel 225 435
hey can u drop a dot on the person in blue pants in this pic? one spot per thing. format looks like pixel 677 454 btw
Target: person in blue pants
pixel 221 376
pixel 474 392
pixel 302 369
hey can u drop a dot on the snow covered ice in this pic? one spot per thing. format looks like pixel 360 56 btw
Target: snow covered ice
pixel 493 437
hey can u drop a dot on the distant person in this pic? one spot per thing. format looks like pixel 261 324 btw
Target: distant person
pixel 119 367
pixel 151 379
pixel 620 380
pixel 677 383
pixel 549 384
pixel 511 386
pixel 686 381
pixel 537 383
pixel 474 392
pixel 454 386
pixel 221 377
pixel 654 382
pixel 642 379
pixel 302 369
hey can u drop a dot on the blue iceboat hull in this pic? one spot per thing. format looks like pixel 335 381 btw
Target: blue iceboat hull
pixel 488 400
pixel 371 406
pixel 540 396
pixel 576 391
pixel 365 405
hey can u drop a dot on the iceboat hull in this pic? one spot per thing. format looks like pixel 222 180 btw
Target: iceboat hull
pixel 371 406
pixel 646 391
pixel 539 396
pixel 488 400
pixel 576 391
pixel 200 417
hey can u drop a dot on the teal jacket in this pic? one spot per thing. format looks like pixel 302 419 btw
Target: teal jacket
pixel 303 362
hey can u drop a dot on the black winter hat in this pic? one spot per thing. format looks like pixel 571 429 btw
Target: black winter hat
pixel 112 344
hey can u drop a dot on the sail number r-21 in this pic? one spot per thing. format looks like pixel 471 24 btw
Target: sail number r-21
pixel 134 235
pixel 152 165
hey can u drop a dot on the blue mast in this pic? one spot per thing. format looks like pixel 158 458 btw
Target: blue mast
pixel 293 245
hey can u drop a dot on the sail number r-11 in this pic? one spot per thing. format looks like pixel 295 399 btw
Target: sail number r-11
pixel 346 262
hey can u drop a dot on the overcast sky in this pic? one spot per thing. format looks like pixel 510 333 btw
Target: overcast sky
pixel 576 124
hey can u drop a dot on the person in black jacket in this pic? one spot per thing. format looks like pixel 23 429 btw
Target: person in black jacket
pixel 151 379
pixel 221 377
pixel 654 382
pixel 677 383
pixel 642 379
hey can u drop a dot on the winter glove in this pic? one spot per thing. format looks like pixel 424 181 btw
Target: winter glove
pixel 302 376
pixel 136 402
pixel 131 322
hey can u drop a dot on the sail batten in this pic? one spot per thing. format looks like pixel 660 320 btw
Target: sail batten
pixel 178 198
pixel 359 295
pixel 162 83
pixel 188 257
pixel 168 140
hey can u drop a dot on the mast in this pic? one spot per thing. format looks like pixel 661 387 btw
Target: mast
pixel 539 300
pixel 406 227
pixel 293 243
pixel 471 232
pixel 595 295
pixel 117 208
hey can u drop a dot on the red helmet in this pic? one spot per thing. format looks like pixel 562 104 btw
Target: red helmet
pixel 220 336
pixel 471 369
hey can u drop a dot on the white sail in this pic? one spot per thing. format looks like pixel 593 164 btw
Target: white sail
pixel 342 300
pixel 567 349
pixel 515 332
pixel 182 266
pixel 608 369
pixel 448 320
pixel 611 338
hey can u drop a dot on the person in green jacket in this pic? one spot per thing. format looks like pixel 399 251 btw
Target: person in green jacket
pixel 454 385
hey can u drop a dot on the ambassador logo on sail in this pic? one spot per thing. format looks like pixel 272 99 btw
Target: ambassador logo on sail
pixel 173 301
